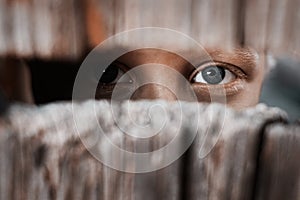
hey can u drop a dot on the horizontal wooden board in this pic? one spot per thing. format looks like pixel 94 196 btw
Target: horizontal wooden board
pixel 51 152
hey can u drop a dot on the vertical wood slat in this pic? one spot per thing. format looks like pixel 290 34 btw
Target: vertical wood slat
pixel 215 23
pixel 21 24
pixel 262 25
pixel 273 26
pixel 279 166
pixel 226 171
pixel 45 29
pixel 4 29
pixel 125 15
pixel 211 23
pixel 59 29
pixel 279 24
pixel 256 22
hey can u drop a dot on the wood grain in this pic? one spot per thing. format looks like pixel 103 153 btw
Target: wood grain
pixel 47 153
pixel 45 29
pixel 56 29
pixel 279 171
pixel 226 171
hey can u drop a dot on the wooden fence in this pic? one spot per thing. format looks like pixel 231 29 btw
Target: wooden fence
pixel 66 29
pixel 50 152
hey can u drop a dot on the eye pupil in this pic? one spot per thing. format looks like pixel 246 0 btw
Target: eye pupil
pixel 213 74
pixel 110 74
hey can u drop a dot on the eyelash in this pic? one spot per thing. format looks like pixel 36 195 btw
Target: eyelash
pixel 230 88
pixel 232 68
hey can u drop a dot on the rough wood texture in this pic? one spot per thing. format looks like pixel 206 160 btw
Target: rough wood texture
pixel 46 29
pixel 43 157
pixel 227 171
pixel 62 29
pixel 279 174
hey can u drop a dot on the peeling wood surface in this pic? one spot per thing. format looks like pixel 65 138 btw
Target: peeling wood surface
pixel 63 29
pixel 44 155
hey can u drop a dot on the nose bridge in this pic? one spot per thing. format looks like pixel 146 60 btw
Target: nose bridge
pixel 154 91
pixel 159 75
pixel 156 82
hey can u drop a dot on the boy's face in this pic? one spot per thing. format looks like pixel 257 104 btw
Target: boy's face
pixel 238 74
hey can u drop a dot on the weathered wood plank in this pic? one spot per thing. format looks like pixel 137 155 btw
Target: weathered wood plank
pixel 39 162
pixel 279 165
pixel 227 171
pixel 46 151
pixel 63 29
pixel 4 29
pixel 216 23
pixel 256 23
pixel 58 28
pixel 45 29
pixel 272 26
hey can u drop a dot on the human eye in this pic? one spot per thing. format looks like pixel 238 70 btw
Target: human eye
pixel 214 75
pixel 114 74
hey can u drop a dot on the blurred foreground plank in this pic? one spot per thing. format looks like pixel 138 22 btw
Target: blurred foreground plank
pixel 228 170
pixel 54 151
pixel 279 174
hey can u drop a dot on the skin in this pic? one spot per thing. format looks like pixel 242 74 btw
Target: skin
pixel 243 90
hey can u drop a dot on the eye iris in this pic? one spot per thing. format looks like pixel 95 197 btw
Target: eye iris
pixel 213 74
pixel 110 74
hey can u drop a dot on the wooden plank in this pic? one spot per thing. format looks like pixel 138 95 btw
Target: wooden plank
pixel 211 23
pixel 222 160
pixel 256 23
pixel 44 29
pixel 39 162
pixel 5 31
pixel 294 43
pixel 215 23
pixel 261 25
pixel 272 26
pixel 20 18
pixel 120 16
pixel 46 151
pixel 279 166
pixel 58 29
pixel 53 29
